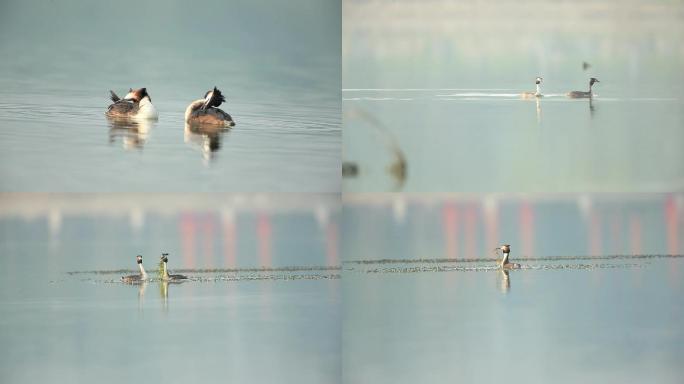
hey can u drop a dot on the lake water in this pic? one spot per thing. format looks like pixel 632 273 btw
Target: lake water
pixel 277 64
pixel 262 303
pixel 598 296
pixel 441 84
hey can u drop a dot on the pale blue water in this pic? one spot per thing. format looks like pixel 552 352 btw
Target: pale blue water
pixel 277 64
pixel 598 297
pixel 262 303
pixel 443 81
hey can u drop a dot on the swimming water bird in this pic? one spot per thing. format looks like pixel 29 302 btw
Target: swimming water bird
pixel 136 104
pixel 136 278
pixel 529 95
pixel 206 111
pixel 165 272
pixel 581 94
pixel 505 264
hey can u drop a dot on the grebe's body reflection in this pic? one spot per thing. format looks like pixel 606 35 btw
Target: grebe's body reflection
pixel 133 133
pixel 164 293
pixel 398 165
pixel 504 280
pixel 141 295
pixel 206 138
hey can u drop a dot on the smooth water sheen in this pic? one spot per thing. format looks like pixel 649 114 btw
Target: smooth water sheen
pixel 278 66
pixel 441 82
pixel 262 302
pixel 597 298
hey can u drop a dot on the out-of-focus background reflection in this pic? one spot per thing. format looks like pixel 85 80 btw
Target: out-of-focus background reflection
pixel 598 293
pixel 261 303
pixel 399 226
pixel 444 78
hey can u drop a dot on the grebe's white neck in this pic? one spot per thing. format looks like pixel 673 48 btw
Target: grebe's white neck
pixel 165 272
pixel 504 261
pixel 538 93
pixel 142 271
pixel 193 107
pixel 147 110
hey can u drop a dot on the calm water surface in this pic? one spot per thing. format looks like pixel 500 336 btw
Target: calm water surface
pixel 598 296
pixel 278 66
pixel 441 83
pixel 261 304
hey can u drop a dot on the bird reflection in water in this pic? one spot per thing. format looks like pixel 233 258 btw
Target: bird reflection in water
pixel 164 293
pixel 141 295
pixel 504 281
pixel 398 166
pixel 133 132
pixel 592 109
pixel 207 138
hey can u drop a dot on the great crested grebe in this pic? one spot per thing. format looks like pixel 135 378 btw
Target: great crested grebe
pixel 206 111
pixel 136 104
pixel 165 272
pixel 136 278
pixel 529 95
pixel 581 94
pixel 506 249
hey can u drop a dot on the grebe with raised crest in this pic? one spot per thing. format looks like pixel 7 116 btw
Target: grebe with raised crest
pixel 206 111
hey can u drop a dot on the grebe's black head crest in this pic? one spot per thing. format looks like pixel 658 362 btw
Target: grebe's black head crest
pixel 539 80
pixel 138 259
pixel 593 80
pixel 213 98
pixel 143 93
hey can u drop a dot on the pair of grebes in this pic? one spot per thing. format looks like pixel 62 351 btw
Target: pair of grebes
pixel 139 278
pixel 572 94
pixel 137 104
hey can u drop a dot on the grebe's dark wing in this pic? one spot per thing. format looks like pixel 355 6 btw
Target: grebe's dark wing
pixel 114 96
pixel 123 107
